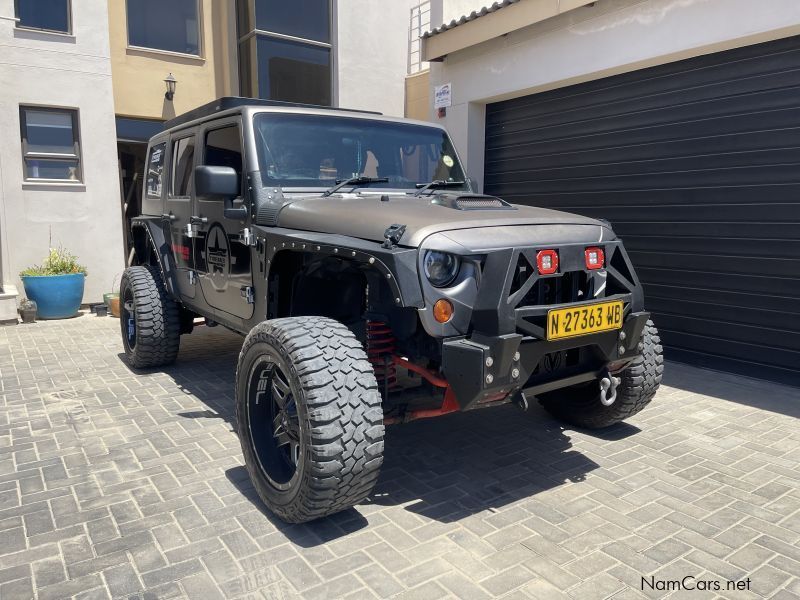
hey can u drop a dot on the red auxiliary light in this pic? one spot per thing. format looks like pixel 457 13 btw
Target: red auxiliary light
pixel 547 262
pixel 595 258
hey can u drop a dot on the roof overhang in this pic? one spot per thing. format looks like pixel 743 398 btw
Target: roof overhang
pixel 439 43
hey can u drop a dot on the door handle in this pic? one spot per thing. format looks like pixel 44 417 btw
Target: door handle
pixel 198 220
pixel 168 217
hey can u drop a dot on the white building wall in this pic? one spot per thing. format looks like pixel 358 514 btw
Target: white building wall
pixel 455 9
pixel 372 54
pixel 611 37
pixel 72 71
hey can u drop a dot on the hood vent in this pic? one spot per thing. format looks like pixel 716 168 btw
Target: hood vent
pixel 472 202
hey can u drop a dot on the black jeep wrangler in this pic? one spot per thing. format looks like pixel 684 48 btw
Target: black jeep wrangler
pixel 374 286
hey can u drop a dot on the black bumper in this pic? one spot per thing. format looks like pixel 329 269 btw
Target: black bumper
pixel 481 368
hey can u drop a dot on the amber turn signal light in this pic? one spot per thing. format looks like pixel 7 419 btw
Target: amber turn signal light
pixel 442 310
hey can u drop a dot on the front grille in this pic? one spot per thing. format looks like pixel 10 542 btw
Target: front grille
pixel 572 286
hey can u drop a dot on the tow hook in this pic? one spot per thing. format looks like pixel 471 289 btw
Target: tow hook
pixel 608 389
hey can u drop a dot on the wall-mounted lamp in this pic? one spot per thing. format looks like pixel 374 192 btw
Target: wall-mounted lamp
pixel 171 83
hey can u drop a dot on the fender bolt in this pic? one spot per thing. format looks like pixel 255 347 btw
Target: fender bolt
pixel 622 349
pixel 372 260
pixel 489 378
pixel 514 373
pixel 622 336
pixel 489 361
pixel 640 346
pixel 516 356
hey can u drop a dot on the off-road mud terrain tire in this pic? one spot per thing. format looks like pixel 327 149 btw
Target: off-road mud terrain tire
pixel 581 405
pixel 156 315
pixel 338 409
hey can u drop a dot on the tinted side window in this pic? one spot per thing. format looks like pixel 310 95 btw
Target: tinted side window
pixel 155 170
pixel 182 166
pixel 223 148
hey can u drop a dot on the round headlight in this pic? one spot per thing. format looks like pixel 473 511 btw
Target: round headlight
pixel 441 268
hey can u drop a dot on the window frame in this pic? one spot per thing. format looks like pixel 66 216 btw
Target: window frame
pixel 164 169
pixel 255 32
pixel 200 37
pixel 217 126
pixel 68 31
pixel 27 154
pixel 173 146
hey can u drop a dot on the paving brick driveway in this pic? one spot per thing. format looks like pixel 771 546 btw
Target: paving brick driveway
pixel 116 484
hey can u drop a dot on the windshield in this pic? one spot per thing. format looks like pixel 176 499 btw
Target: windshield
pixel 310 151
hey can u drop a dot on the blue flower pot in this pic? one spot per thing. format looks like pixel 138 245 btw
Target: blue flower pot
pixel 56 296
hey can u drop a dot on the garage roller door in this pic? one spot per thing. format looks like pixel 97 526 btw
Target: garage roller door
pixel 697 165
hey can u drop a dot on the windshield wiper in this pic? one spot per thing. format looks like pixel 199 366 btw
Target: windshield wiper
pixel 360 180
pixel 436 183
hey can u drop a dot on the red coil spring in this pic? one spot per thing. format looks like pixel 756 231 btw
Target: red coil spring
pixel 380 348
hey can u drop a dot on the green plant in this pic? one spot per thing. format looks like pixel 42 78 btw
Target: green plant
pixel 26 304
pixel 58 262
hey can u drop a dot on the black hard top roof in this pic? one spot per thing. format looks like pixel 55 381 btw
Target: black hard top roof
pixel 228 102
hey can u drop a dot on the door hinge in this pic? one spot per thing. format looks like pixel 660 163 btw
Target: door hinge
pixel 190 230
pixel 247 237
pixel 192 277
pixel 248 294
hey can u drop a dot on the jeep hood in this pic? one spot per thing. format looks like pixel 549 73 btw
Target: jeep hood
pixel 367 216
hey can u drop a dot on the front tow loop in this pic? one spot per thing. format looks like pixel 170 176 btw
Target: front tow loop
pixel 608 389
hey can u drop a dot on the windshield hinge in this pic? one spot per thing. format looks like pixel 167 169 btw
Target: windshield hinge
pixel 247 237
pixel 393 234
pixel 248 294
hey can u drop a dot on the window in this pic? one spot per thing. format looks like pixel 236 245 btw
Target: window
pixel 289 71
pixel 182 166
pixel 285 50
pixel 155 170
pixel 47 15
pixel 50 147
pixel 308 19
pixel 304 151
pixel 224 148
pixel 172 26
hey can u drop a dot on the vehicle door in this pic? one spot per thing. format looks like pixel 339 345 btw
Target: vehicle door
pixel 223 258
pixel 179 213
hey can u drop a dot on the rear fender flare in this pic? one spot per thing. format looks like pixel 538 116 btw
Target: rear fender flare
pixel 148 236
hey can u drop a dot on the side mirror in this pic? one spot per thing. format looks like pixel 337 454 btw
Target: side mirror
pixel 216 181
pixel 222 182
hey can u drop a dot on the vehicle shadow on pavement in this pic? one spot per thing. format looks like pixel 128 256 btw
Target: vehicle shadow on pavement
pixel 451 467
pixel 444 469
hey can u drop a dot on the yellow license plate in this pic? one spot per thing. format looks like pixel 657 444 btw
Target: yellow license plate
pixel 583 320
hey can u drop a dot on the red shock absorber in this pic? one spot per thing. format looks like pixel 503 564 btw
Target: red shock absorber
pixel 380 348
